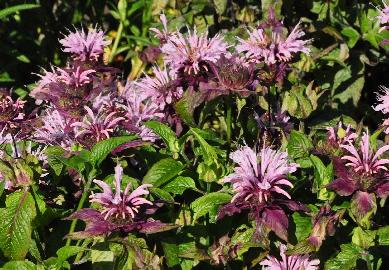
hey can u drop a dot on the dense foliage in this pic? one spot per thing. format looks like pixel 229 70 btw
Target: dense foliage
pixel 194 135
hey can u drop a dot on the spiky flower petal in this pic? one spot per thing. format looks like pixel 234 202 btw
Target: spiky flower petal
pixel 190 52
pixel 292 262
pixel 97 126
pixel 120 204
pixel 364 160
pixel 85 46
pixel 258 176
pixel 271 46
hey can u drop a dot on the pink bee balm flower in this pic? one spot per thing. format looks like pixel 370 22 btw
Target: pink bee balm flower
pixel 161 88
pixel 120 204
pixel 56 130
pixel 190 52
pixel 364 160
pixel 273 47
pixel 99 126
pixel 164 34
pixel 260 175
pixel 85 46
pixel 139 108
pixel 383 16
pixel 384 99
pixel 293 262
pixel 75 77
pixel 10 110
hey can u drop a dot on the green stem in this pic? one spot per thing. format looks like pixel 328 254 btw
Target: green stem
pixel 116 42
pixel 79 206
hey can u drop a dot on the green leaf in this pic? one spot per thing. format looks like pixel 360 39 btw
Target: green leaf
pixel 166 134
pixel 323 176
pixel 299 145
pixel 162 194
pixel 11 10
pixel 353 91
pixel 383 236
pixel 220 6
pixel 208 152
pixel 15 227
pixel 363 238
pixel 209 203
pixel 102 149
pixel 20 265
pixel 171 251
pixel 52 152
pixel 303 226
pixel 346 259
pixel 186 105
pixel 66 252
pixel 162 171
pixel 179 185
pixel 352 36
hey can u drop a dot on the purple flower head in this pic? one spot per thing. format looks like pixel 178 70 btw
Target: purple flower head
pixel 189 53
pixel 269 44
pixel 259 176
pixel 259 181
pixel 85 46
pixel 10 111
pixel 384 101
pixel 383 16
pixel 292 262
pixel 364 160
pixel 163 34
pixel 139 108
pixel 162 88
pixel 120 204
pixel 338 135
pixel 56 130
pixel 95 127
pixel 363 174
pixel 233 74
pixel 75 77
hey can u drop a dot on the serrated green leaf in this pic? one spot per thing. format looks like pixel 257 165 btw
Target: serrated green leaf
pixel 179 185
pixel 66 252
pixel 346 258
pixel 363 238
pixel 21 265
pixel 162 194
pixel 303 226
pixel 383 236
pixel 352 36
pixel 166 134
pixel 208 152
pixel 102 149
pixel 207 203
pixel 15 228
pixel 299 144
pixel 162 171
